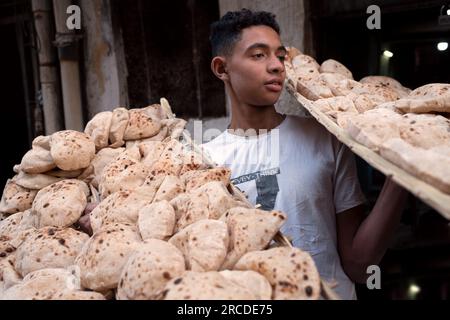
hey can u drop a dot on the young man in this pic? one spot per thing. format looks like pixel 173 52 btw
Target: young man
pixel 295 165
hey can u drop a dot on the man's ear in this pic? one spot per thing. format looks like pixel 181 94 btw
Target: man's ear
pixel 219 68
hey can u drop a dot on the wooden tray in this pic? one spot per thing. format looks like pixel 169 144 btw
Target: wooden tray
pixel 429 194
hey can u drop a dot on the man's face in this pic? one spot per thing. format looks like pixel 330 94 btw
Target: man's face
pixel 256 66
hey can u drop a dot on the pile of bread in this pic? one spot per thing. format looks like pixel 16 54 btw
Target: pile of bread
pixel 167 224
pixel 409 128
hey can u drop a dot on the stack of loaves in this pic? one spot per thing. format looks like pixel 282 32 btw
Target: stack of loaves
pixel 409 128
pixel 167 225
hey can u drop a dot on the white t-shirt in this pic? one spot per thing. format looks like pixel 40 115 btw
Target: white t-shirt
pixel 304 171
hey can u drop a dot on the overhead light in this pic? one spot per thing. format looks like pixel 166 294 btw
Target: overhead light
pixel 442 46
pixel 448 12
pixel 388 54
pixel 413 291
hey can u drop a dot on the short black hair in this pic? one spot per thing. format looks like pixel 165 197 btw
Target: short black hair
pixel 227 31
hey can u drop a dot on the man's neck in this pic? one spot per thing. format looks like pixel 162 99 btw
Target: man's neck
pixel 245 117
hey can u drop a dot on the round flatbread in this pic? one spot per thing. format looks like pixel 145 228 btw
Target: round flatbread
pixel 72 150
pixel 149 269
pixel 16 198
pixel 105 254
pixel 48 247
pixel 60 204
pixel 290 271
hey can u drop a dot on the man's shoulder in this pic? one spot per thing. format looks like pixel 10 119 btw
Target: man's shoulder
pixel 215 146
pixel 219 140
pixel 307 126
pixel 311 135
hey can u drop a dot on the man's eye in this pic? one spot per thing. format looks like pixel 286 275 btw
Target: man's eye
pixel 258 55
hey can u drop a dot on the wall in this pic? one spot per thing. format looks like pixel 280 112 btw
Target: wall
pixel 105 67
pixel 168 55
pixel 290 15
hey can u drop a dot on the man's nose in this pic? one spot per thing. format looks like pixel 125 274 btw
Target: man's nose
pixel 275 65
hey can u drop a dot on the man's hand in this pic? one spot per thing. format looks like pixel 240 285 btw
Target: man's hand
pixel 85 221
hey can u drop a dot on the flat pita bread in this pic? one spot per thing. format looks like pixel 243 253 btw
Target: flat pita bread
pixel 35 181
pixel 431 167
pixel 425 130
pixel 8 275
pixel 98 129
pixel 78 296
pixel 170 161
pixel 175 127
pixel 151 151
pixel 170 188
pixel 39 158
pixel 336 104
pixel 204 244
pixel 65 174
pixel 121 175
pixel 16 198
pixel 119 123
pixel 104 157
pixel 364 102
pixel 43 285
pixel 314 89
pixel 252 281
pixel 389 83
pixel 210 201
pixel 204 286
pixel 122 207
pixel 292 53
pixel 333 66
pixel 198 178
pixel 157 221
pixel 193 161
pixel 374 127
pixel 156 111
pixel 149 269
pixel 219 198
pixel 17 223
pixel 190 209
pixel 442 150
pixel 105 254
pixel 291 272
pixel 72 150
pixel 7 251
pixel 48 248
pixel 305 67
pixel 141 125
pixel 60 204
pixel 250 230
pixel 132 153
pixel 342 119
pixel 161 136
pixel 433 97
pixel 336 83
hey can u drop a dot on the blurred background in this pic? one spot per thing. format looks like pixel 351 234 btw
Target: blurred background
pixel 133 52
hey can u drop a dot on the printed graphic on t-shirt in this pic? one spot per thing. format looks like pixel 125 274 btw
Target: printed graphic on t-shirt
pixel 267 187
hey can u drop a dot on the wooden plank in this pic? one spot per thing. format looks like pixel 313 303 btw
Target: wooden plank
pixel 429 194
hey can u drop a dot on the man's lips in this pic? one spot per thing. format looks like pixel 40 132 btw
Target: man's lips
pixel 275 85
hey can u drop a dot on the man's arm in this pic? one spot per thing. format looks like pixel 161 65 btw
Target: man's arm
pixel 362 241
